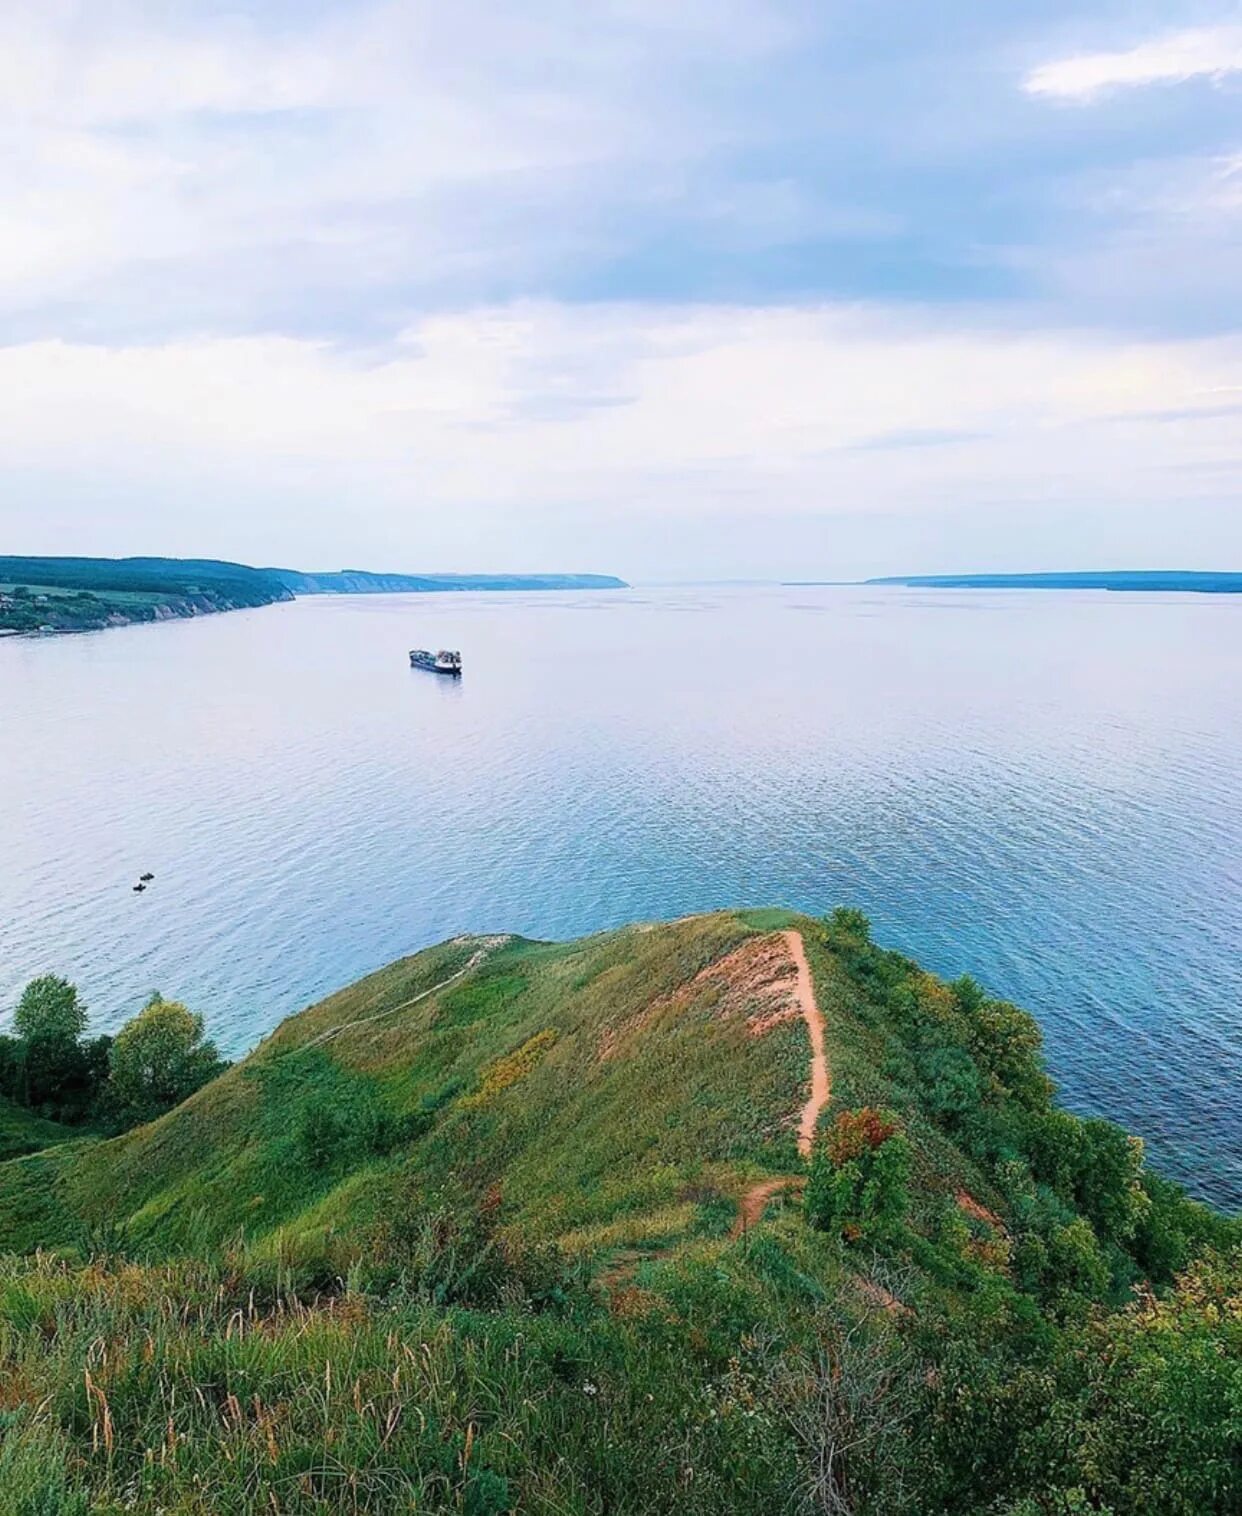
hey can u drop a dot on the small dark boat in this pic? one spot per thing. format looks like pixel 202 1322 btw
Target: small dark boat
pixel 443 662
pixel 146 878
pixel 138 888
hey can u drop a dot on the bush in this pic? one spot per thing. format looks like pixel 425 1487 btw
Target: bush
pixel 859 1178
pixel 319 1135
pixel 849 926
pixel 452 1251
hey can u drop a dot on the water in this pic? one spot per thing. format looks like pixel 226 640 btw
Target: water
pixel 1040 788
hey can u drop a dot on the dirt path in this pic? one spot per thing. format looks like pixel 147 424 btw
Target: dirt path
pixel 754 1202
pixel 348 1026
pixel 821 1085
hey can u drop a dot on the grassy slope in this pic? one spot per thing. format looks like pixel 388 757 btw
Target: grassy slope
pixel 584 1146
pixel 579 1141
pixel 21 1131
pixel 604 1095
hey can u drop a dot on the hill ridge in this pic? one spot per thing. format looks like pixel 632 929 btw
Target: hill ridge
pixel 489 1231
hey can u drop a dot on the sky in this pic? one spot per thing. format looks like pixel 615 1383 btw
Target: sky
pixel 665 288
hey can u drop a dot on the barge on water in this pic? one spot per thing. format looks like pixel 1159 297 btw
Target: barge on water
pixel 443 662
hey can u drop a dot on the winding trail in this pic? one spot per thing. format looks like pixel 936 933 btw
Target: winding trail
pixel 347 1026
pixel 754 1202
pixel 821 1084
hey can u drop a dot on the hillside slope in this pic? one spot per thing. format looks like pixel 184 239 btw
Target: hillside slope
pixel 90 594
pixel 514 1225
pixel 593 1079
pixel 21 1131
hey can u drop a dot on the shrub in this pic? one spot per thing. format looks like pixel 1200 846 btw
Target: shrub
pixel 849 925
pixel 953 1088
pixel 451 1251
pixel 319 1135
pixel 859 1178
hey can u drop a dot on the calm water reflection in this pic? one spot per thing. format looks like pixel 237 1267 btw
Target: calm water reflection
pixel 1042 789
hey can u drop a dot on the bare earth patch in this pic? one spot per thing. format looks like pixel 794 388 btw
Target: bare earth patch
pixel 972 1207
pixel 758 980
pixel 755 1201
pixel 805 1004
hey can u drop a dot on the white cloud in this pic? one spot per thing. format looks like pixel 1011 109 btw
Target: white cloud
pixel 377 141
pixel 193 195
pixel 676 413
pixel 1174 58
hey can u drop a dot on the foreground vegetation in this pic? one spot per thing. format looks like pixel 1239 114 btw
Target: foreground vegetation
pixel 465 1237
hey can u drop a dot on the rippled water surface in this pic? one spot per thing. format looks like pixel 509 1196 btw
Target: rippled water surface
pixel 1040 788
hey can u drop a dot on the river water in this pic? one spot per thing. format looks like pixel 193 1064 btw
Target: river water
pixel 1040 788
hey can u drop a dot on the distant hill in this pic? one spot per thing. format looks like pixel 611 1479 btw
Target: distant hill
pixel 517 1226
pixel 88 594
pixel 1119 579
pixel 362 582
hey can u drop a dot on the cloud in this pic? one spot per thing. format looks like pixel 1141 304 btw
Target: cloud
pixel 1174 58
pixel 386 278
pixel 488 417
pixel 191 168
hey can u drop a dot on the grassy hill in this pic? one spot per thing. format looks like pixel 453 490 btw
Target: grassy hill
pixel 524 1226
pixel 21 1131
pixel 88 594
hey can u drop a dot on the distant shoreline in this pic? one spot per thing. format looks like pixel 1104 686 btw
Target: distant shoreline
pixel 50 596
pixel 1162 580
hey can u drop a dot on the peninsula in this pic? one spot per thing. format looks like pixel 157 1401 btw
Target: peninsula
pixel 88 594
pixel 741 1212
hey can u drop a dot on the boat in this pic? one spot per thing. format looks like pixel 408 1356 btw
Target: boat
pixel 443 662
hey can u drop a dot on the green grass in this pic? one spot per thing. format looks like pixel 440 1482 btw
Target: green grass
pixel 579 1134
pixel 459 1238
pixel 21 1131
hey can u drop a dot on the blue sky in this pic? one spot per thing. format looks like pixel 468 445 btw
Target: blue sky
pixel 713 288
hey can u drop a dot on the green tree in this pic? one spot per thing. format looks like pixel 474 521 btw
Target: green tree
pixel 1108 1183
pixel 952 1081
pixel 158 1059
pixel 1006 1042
pixel 1161 1422
pixel 11 1067
pixel 49 1008
pixel 53 1070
